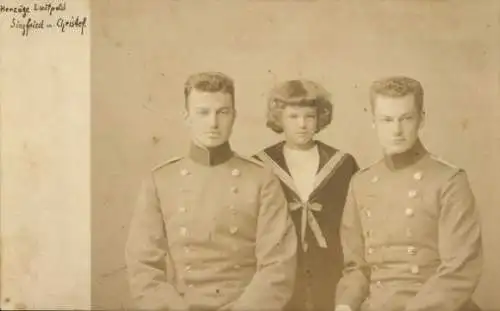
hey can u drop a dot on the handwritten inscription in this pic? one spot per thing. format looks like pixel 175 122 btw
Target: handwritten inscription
pixel 37 17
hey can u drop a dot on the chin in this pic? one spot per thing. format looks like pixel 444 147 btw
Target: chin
pixel 213 144
pixel 393 150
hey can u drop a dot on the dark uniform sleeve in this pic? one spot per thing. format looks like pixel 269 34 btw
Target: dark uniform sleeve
pixel 276 249
pixel 460 250
pixel 146 255
pixel 352 288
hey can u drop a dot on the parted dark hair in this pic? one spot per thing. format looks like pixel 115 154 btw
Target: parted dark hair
pixel 304 93
pixel 398 86
pixel 209 81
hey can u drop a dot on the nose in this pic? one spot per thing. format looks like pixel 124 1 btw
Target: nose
pixel 397 128
pixel 302 122
pixel 213 120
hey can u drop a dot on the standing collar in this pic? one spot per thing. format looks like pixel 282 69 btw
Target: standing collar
pixel 407 158
pixel 210 156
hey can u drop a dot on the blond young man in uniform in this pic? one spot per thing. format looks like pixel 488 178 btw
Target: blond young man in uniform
pixel 211 230
pixel 410 232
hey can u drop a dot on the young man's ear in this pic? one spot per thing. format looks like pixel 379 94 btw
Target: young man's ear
pixel 422 120
pixel 185 116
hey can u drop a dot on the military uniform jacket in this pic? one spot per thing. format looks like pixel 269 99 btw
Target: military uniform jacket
pixel 411 237
pixel 317 223
pixel 211 232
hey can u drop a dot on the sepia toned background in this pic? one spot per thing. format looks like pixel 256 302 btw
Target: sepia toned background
pixel 142 51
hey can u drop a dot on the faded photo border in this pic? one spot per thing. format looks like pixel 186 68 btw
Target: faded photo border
pixel 84 116
pixel 45 155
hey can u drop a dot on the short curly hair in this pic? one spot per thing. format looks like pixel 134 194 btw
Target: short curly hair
pixel 303 93
pixel 397 86
pixel 209 81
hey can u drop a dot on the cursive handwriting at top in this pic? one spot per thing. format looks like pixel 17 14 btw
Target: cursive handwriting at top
pixel 21 9
pixel 38 16
pixel 24 10
pixel 63 24
pixel 49 7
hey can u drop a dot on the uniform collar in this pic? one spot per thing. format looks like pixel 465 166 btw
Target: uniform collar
pixel 407 158
pixel 210 156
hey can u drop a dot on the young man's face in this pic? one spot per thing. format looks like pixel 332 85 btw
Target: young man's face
pixel 210 117
pixel 299 125
pixel 397 121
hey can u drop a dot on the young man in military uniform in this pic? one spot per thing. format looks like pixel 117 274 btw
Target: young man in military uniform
pixel 410 230
pixel 211 230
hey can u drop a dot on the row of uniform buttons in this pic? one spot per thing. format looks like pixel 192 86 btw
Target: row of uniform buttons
pixel 414 269
pixel 409 212
pixel 183 231
pixel 412 250
pixel 232 228
pixel 417 176
pixel 183 209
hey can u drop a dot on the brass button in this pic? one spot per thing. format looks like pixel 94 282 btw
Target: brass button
pixel 412 250
pixel 379 284
pixel 183 231
pixel 414 269
pixel 368 213
pixel 234 189
pixel 370 250
pixel 412 193
pixel 182 209
pixel 235 172
pixel 418 175
pixel 233 229
pixel 375 179
pixel 409 212
pixel 184 172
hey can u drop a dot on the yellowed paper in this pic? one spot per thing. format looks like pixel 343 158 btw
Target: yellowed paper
pixel 45 145
pixel 52 229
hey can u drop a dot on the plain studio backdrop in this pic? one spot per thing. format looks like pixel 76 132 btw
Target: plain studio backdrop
pixel 142 52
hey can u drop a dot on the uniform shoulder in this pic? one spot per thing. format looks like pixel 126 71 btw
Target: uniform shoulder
pixel 252 160
pixel 367 169
pixel 166 163
pixel 253 167
pixel 443 164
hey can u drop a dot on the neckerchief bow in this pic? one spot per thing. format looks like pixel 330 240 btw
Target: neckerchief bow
pixel 307 217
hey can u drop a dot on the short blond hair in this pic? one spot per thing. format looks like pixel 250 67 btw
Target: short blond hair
pixel 209 81
pixel 303 93
pixel 397 86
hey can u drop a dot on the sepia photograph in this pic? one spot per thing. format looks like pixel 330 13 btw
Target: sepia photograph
pixel 295 155
pixel 292 155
